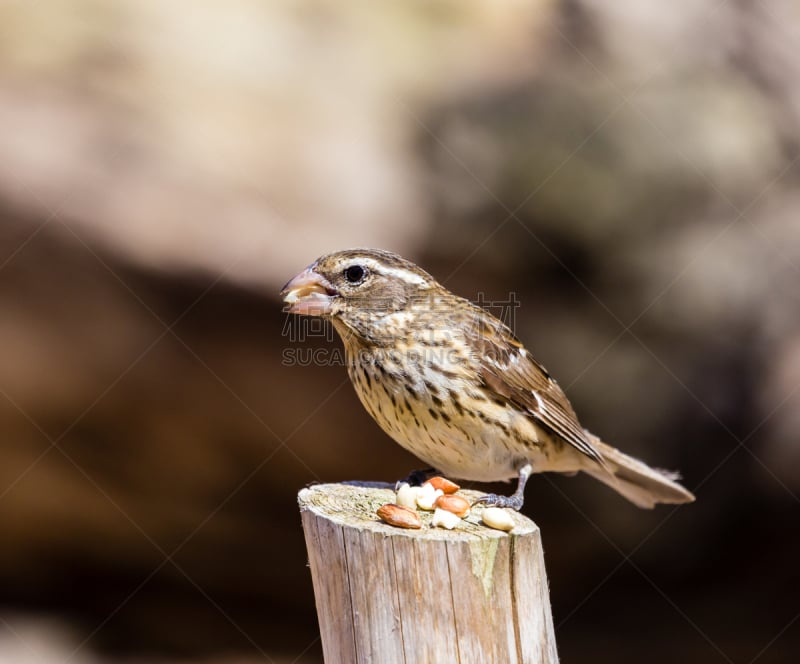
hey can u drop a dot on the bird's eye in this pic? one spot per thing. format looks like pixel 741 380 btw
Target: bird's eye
pixel 355 274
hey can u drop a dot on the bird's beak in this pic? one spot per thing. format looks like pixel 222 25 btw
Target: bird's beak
pixel 309 293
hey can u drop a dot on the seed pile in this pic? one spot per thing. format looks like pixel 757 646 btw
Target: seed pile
pixel 437 495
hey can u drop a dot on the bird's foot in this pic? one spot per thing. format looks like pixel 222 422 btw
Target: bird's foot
pixel 514 501
pixel 416 477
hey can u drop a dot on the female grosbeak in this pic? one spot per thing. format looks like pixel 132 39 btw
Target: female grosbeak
pixel 452 384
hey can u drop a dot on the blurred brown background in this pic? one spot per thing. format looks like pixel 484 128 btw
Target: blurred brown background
pixel 629 172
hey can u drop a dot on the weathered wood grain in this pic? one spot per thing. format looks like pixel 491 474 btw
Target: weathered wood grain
pixel 384 594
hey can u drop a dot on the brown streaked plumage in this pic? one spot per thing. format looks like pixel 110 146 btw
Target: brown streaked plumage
pixel 453 385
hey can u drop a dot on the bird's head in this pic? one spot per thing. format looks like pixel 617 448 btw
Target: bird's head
pixel 356 286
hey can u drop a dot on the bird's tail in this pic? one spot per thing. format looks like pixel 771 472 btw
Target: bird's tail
pixel 642 485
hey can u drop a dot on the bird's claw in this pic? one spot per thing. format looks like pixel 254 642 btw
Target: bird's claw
pixel 494 500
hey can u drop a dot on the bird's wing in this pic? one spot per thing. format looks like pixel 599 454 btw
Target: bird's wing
pixel 508 369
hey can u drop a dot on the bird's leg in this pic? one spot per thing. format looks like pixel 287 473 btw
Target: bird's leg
pixel 513 501
pixel 416 477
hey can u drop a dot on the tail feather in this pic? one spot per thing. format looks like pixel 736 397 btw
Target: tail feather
pixel 642 485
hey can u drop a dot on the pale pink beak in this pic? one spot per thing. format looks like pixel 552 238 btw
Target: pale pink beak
pixel 309 293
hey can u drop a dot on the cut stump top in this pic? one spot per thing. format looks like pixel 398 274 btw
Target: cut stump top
pixel 355 505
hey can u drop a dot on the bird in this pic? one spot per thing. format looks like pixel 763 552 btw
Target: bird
pixel 453 385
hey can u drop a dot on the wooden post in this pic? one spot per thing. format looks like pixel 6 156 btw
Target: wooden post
pixel 387 595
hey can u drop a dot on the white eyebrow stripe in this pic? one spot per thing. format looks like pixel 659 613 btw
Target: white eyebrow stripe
pixel 406 275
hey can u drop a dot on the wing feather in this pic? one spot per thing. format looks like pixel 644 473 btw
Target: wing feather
pixel 509 371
